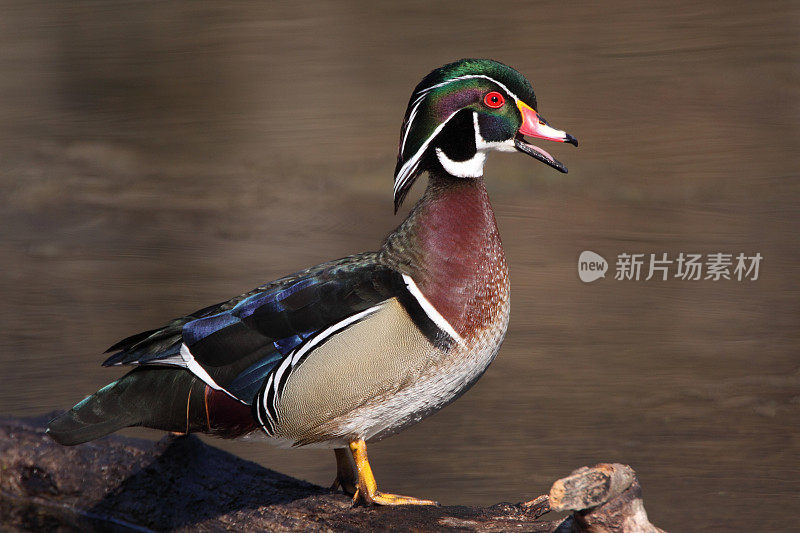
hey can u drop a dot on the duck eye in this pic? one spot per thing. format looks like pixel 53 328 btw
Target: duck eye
pixel 494 99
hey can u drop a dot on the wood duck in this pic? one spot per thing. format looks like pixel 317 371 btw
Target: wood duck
pixel 356 349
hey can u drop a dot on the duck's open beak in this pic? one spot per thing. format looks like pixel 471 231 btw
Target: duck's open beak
pixel 533 125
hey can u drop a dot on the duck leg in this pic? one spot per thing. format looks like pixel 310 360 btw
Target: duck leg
pixel 367 490
pixel 345 472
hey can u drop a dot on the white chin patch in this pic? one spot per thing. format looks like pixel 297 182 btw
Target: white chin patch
pixel 471 168
pixel 483 145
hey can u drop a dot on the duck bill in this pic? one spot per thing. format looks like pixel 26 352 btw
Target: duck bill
pixel 534 125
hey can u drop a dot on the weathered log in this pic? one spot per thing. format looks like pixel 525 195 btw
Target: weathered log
pixel 182 484
pixel 606 498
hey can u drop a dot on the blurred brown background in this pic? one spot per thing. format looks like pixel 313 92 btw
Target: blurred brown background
pixel 157 157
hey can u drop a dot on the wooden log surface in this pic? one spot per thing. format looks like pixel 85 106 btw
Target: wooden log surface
pixel 182 484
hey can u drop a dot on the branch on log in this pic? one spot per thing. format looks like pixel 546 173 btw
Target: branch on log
pixel 606 498
pixel 182 484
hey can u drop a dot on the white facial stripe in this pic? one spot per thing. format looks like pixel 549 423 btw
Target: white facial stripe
pixel 408 126
pixel 466 77
pixel 473 168
pixel 414 109
pixel 424 93
pixel 482 144
pixel 430 310
pixel 406 171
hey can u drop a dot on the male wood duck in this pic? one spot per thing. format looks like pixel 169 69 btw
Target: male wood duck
pixel 356 349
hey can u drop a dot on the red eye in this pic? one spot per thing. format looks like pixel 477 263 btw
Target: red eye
pixel 494 100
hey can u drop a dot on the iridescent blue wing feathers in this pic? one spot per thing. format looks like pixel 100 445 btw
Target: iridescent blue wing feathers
pixel 238 342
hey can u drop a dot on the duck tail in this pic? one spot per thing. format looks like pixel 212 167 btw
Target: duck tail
pixel 156 397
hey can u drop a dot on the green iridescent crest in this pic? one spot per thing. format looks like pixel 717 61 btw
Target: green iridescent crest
pixel 442 94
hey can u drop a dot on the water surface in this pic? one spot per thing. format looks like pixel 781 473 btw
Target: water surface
pixel 157 157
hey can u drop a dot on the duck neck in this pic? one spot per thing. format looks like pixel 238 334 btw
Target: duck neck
pixel 450 246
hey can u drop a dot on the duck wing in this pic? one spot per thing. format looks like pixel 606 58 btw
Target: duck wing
pixel 233 345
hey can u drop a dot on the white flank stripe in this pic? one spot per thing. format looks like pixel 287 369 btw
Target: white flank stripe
pixel 194 367
pixel 292 359
pixel 269 382
pixel 430 310
pixel 331 331
pixel 264 401
pixel 279 373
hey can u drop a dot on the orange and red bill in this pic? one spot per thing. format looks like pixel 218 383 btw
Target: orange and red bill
pixel 534 125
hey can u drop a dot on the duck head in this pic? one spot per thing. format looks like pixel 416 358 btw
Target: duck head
pixel 461 111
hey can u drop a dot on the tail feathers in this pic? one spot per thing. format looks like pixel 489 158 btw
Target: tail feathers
pixel 156 397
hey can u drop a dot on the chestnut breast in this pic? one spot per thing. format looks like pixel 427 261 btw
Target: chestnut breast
pixel 461 268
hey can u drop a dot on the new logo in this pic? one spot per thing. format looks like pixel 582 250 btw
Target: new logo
pixel 591 266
